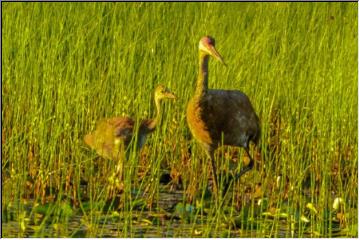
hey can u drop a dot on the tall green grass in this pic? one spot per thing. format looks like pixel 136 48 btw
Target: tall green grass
pixel 67 65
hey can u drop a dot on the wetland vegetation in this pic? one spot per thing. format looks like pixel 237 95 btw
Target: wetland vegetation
pixel 67 65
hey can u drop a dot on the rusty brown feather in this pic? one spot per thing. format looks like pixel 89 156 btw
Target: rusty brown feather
pixel 113 136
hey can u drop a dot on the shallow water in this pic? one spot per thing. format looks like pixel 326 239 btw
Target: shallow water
pixel 164 221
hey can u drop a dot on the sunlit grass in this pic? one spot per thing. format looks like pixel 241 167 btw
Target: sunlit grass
pixel 67 65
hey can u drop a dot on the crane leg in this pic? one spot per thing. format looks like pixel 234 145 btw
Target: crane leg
pixel 213 166
pixel 247 168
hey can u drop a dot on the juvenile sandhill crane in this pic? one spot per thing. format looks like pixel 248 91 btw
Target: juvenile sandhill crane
pixel 217 116
pixel 113 136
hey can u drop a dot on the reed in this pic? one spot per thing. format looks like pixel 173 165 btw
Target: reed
pixel 66 65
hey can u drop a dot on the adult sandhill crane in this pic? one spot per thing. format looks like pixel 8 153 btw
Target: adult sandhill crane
pixel 113 136
pixel 217 116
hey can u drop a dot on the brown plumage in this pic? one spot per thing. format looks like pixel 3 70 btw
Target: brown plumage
pixel 113 136
pixel 220 116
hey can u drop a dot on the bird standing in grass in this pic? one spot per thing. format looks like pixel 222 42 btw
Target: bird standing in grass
pixel 113 136
pixel 217 116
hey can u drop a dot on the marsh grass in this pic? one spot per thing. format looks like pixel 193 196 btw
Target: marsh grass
pixel 67 65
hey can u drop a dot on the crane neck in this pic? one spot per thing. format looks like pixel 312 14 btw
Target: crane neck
pixel 156 120
pixel 202 81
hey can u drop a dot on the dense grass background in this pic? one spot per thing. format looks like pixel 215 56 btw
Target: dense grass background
pixel 67 65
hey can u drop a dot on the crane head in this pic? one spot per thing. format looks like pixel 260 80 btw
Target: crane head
pixel 162 92
pixel 207 45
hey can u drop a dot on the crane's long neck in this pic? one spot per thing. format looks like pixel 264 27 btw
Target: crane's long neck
pixel 157 118
pixel 202 81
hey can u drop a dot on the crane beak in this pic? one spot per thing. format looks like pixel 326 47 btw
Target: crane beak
pixel 173 96
pixel 170 95
pixel 216 54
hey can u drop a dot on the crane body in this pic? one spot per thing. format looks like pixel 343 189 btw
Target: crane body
pixel 217 116
pixel 113 136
